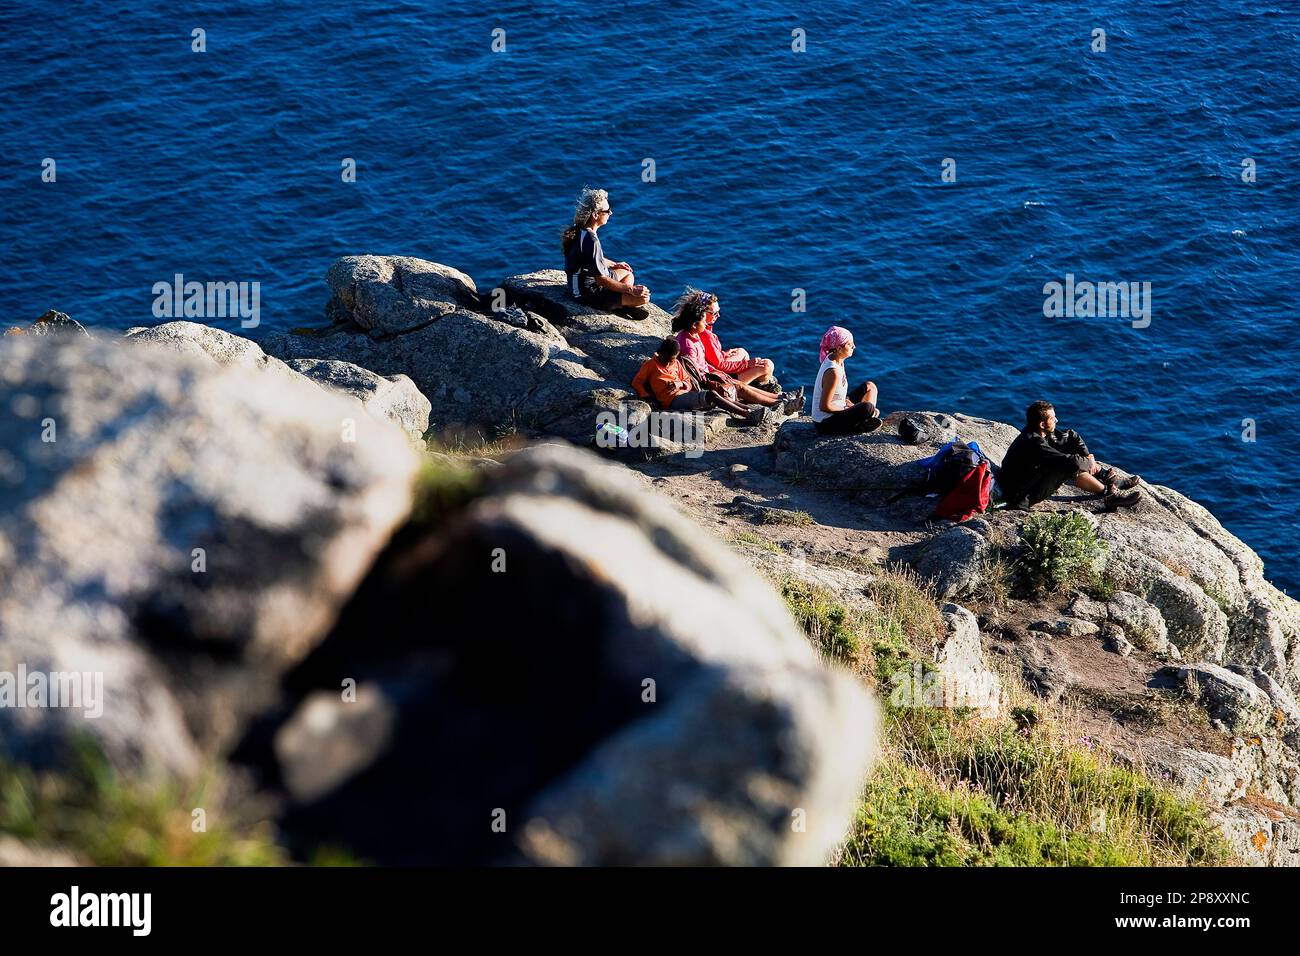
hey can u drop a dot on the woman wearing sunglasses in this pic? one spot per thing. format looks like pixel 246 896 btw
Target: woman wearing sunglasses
pixel 690 323
pixel 733 362
pixel 593 280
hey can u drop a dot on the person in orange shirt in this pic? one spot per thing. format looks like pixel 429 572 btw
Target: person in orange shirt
pixel 663 380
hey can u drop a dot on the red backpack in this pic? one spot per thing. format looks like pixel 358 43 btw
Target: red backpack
pixel 969 497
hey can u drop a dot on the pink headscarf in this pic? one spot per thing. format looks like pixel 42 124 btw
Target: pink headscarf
pixel 835 337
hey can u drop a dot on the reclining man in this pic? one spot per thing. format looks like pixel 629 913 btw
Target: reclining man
pixel 1041 459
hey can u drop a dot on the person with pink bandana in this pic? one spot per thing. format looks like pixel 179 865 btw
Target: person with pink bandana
pixel 835 409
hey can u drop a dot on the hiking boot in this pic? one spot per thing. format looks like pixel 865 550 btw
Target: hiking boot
pixel 771 385
pixel 870 425
pixel 756 416
pixel 793 401
pixel 1113 482
pixel 1120 499
pixel 633 312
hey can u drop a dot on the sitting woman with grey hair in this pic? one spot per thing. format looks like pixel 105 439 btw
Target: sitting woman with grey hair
pixel 592 279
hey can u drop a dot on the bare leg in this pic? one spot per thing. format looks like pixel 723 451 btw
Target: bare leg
pixel 629 298
pixel 757 373
pixel 726 404
pixel 1088 483
pixel 755 396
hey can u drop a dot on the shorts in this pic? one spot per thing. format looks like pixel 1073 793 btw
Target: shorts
pixel 689 402
pixel 603 299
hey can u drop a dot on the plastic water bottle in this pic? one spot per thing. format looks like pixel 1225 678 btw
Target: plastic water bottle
pixel 609 435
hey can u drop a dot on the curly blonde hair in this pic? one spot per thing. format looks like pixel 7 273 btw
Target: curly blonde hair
pixel 584 211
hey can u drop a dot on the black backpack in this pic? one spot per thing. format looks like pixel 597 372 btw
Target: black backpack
pixel 946 474
pixel 960 461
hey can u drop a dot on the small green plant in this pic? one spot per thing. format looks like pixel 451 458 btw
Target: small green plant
pixel 833 629
pixel 1059 550
pixel 1220 598
pixel 1025 718
pixel 799 519
pixel 1102 587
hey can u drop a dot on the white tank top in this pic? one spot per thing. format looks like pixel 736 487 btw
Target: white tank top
pixel 838 397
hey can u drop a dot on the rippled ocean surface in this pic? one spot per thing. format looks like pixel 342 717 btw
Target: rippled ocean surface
pixel 774 170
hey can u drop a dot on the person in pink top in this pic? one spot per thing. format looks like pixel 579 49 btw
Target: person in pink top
pixel 733 362
pixel 691 319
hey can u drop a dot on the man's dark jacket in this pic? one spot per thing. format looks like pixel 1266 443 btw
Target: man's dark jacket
pixel 1033 457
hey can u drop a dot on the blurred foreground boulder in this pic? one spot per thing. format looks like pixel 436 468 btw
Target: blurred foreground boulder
pixel 550 664
pixel 183 529
pixel 570 658
pixel 395 398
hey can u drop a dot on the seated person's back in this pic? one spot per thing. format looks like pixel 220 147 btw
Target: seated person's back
pixel 584 259
pixel 661 379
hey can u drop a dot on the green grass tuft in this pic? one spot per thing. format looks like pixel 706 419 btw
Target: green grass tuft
pixel 90 812
pixel 442 488
pixel 758 541
pixel 833 629
pixel 799 519
pixel 906 622
pixel 907 818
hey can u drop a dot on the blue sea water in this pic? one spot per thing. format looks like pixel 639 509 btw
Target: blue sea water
pixel 775 170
